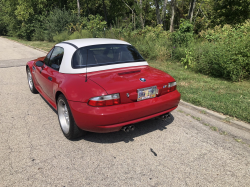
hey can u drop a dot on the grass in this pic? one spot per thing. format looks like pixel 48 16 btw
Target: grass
pixel 196 118
pixel 213 128
pixel 229 98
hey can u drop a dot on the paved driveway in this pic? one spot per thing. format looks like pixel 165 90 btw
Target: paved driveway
pixel 181 151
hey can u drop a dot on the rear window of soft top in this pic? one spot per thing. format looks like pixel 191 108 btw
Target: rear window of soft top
pixel 107 54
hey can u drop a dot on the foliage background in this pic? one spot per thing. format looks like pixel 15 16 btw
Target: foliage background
pixel 214 42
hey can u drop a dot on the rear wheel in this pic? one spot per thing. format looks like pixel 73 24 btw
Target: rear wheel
pixel 30 82
pixel 66 120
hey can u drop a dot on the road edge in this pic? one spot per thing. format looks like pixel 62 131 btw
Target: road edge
pixel 215 115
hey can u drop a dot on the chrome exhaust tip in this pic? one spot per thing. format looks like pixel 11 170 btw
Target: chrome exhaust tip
pixel 128 128
pixel 164 117
pixel 132 127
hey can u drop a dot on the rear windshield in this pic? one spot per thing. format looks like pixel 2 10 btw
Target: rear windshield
pixel 107 54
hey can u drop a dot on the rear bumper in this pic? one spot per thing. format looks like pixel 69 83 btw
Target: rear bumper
pixel 113 118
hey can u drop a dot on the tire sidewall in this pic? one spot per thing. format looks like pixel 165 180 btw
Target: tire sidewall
pixel 72 127
pixel 33 89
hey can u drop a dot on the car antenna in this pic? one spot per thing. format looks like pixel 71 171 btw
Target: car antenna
pixel 86 66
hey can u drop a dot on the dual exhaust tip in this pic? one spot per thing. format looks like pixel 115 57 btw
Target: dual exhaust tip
pixel 129 128
pixel 164 117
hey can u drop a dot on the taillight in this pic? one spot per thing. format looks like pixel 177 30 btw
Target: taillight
pixel 105 100
pixel 171 86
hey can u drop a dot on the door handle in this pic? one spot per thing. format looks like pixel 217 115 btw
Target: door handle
pixel 50 78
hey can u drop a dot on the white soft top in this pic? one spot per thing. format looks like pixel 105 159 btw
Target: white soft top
pixel 95 41
pixel 70 46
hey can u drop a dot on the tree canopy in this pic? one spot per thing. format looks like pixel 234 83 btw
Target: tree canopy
pixel 21 17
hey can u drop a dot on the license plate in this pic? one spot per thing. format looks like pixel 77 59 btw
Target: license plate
pixel 147 93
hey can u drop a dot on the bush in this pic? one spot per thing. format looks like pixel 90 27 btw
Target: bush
pixel 224 53
pixel 39 28
pixel 81 34
pixel 152 43
pixel 61 37
pixel 95 25
pixel 57 22
pixel 184 35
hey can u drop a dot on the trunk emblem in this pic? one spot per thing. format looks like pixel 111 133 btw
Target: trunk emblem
pixel 127 94
pixel 142 80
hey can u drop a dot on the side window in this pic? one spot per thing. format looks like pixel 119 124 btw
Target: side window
pixel 80 58
pixel 46 60
pixel 56 58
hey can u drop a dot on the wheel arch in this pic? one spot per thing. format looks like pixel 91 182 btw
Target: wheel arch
pixel 57 95
pixel 27 66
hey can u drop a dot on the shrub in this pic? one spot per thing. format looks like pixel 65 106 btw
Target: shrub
pixel 95 25
pixel 81 34
pixel 39 28
pixel 61 37
pixel 184 35
pixel 223 52
pixel 57 22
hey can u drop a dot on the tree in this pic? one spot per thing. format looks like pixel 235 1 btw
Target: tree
pixel 141 19
pixel 172 15
pixel 230 12
pixel 191 10
pixel 157 12
pixel 78 8
pixel 163 15
pixel 104 10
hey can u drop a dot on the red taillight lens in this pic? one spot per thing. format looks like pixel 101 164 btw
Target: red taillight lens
pixel 105 100
pixel 171 86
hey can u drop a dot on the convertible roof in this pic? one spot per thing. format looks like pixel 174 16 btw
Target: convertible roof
pixel 92 41
pixel 70 46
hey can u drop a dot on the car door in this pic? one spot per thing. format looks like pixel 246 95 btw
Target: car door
pixel 48 74
pixel 40 80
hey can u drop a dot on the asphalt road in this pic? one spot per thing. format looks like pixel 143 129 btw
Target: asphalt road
pixel 182 151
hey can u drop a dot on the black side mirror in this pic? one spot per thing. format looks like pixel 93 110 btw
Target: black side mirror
pixel 55 66
pixel 39 64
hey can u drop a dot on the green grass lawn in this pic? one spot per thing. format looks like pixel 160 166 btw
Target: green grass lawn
pixel 226 97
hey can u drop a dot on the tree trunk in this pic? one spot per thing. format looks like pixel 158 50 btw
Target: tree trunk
pixel 104 10
pixel 142 22
pixel 163 18
pixel 157 12
pixel 191 10
pixel 172 16
pixel 133 14
pixel 78 8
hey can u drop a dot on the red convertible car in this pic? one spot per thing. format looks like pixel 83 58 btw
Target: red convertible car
pixel 101 85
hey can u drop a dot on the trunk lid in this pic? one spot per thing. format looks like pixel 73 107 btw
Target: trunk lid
pixel 126 81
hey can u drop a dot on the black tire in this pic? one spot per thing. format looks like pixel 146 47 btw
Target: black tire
pixel 67 123
pixel 30 81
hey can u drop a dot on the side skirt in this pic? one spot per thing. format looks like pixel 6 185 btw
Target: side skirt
pixel 52 103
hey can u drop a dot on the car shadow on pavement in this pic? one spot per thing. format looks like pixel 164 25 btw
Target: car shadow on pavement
pixel 141 128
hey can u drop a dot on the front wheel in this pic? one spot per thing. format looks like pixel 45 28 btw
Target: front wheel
pixel 66 120
pixel 30 82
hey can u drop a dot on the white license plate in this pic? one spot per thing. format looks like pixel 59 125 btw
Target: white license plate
pixel 147 93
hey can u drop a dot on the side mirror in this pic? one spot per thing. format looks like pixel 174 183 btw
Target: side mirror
pixel 55 66
pixel 39 64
